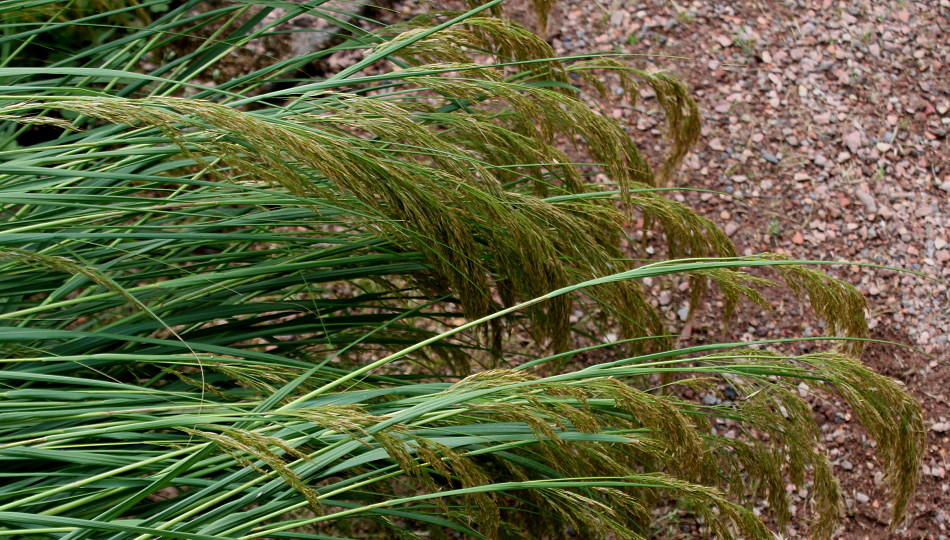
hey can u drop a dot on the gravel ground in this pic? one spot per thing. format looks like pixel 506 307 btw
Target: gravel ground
pixel 831 118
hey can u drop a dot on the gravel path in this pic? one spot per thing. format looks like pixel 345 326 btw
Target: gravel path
pixel 831 118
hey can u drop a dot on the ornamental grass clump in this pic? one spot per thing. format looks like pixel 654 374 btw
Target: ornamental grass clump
pixel 347 306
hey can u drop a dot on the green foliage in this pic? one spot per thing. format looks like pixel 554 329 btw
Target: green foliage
pixel 342 307
pixel 51 31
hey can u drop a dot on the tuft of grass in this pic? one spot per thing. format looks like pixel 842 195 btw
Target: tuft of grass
pixel 287 307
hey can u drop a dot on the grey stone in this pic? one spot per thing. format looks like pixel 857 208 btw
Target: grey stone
pixel 853 141
pixel 867 200
pixel 309 33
